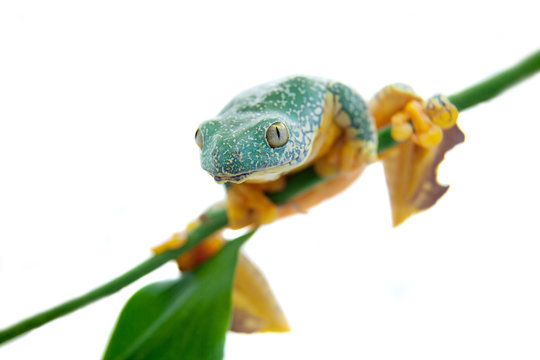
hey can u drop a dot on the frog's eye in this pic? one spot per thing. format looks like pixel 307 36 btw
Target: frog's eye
pixel 277 134
pixel 199 138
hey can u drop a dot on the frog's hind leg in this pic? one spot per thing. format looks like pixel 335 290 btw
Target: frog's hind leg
pixel 321 192
pixel 427 130
pixel 412 117
pixel 357 145
pixel 342 157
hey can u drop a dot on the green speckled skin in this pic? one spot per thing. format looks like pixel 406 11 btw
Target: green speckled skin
pixel 354 106
pixel 235 147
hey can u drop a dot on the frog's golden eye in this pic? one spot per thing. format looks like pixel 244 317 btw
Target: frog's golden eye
pixel 199 138
pixel 277 134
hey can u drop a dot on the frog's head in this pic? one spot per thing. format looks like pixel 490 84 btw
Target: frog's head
pixel 251 146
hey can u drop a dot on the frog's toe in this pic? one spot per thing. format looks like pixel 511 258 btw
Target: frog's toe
pixel 197 255
pixel 441 111
pixel 401 128
pixel 177 240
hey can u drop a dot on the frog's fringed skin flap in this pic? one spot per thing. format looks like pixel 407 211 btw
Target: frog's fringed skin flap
pixel 411 175
pixel 255 308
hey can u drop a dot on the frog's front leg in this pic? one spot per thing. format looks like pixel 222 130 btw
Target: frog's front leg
pixel 356 145
pixel 412 117
pixel 247 203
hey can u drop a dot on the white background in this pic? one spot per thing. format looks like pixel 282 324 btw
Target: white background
pixel 99 102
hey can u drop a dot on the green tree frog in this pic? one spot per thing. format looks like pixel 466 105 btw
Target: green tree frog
pixel 276 129
pixel 281 127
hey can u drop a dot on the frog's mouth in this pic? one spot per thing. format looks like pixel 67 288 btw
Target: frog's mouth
pixel 252 176
pixel 220 179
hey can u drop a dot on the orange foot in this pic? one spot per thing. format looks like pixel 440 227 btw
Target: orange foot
pixel 198 254
pixel 247 204
pixel 423 122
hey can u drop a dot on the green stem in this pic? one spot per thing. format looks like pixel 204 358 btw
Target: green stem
pixel 93 295
pixel 216 218
pixel 296 184
pixel 497 83
pixel 386 141
pixel 480 92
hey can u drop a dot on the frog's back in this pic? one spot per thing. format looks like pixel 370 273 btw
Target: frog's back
pixel 300 98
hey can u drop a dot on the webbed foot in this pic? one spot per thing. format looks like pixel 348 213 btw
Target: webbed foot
pixel 423 122
pixel 247 204
pixel 198 254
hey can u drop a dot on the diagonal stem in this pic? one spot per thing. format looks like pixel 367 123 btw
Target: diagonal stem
pixel 496 84
pixel 214 220
pixel 480 92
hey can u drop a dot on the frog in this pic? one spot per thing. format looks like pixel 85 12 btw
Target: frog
pixel 273 130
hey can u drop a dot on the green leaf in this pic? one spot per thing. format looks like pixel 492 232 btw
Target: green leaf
pixel 186 318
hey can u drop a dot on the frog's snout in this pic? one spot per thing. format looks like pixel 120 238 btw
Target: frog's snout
pixel 224 162
pixel 215 160
pixel 211 157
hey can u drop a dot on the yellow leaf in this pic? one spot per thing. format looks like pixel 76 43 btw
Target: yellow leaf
pixel 255 308
pixel 411 174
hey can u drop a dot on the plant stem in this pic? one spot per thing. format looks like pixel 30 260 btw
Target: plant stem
pixel 214 220
pixel 497 83
pixel 480 92
pixel 93 295
pixel 216 217
pixel 296 184
pixel 386 141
